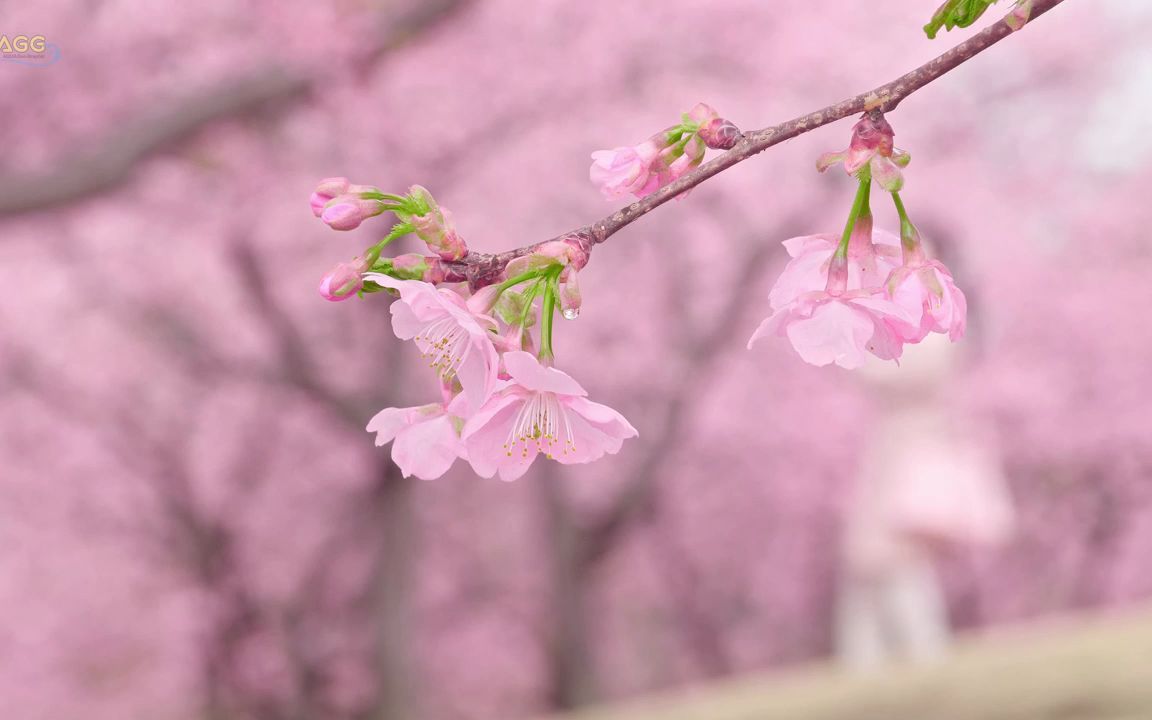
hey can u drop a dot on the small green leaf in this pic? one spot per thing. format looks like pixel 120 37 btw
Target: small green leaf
pixel 956 13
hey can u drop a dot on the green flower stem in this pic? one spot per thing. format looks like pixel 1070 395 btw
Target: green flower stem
pixel 909 237
pixel 859 206
pixel 524 277
pixel 373 253
pixel 397 200
pixel 547 312
pixel 529 295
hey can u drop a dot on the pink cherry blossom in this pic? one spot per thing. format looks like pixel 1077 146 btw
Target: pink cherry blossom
pixel 457 342
pixel 826 328
pixel 426 438
pixel 928 293
pixel 540 410
pixel 343 281
pixel 625 171
pixel 869 262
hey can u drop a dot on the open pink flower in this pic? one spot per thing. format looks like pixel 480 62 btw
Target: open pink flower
pixel 625 171
pixel 872 255
pixel 927 293
pixel 426 438
pixel 826 328
pixel 540 410
pixel 456 341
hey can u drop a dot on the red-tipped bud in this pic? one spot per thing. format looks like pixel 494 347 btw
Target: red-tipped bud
pixel 720 134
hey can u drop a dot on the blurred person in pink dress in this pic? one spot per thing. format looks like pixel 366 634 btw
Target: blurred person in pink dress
pixel 926 484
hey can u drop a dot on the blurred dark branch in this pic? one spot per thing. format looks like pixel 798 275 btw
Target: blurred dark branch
pixel 80 175
pixel 700 356
pixel 298 366
pixel 577 548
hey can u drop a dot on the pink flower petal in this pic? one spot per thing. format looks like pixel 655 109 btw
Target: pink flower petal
pixel 527 371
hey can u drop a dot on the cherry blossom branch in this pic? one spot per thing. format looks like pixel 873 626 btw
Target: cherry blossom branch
pixel 480 269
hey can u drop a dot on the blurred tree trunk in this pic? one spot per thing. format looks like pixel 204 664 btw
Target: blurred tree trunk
pixel 570 667
pixel 394 592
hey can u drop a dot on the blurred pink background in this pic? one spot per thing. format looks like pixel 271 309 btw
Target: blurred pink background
pixel 193 522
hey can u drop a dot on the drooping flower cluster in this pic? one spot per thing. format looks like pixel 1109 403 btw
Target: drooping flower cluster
pixel 501 405
pixel 643 169
pixel 866 291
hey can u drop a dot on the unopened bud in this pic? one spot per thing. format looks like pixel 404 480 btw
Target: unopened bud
pixel 483 300
pixel 1019 15
pixel 343 281
pixel 439 234
pixel 720 134
pixel 701 114
pixel 570 295
pixel 328 189
pixel 348 211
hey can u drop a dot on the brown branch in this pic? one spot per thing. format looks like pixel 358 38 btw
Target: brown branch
pixel 482 268
pixel 119 153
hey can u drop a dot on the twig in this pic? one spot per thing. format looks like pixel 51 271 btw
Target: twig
pixel 481 269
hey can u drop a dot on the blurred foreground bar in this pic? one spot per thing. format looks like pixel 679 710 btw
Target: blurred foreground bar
pixel 1087 669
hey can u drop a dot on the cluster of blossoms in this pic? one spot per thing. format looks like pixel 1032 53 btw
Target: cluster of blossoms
pixel 502 403
pixel 866 291
pixel 645 168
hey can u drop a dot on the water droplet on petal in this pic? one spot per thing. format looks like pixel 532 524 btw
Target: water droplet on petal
pixel 570 313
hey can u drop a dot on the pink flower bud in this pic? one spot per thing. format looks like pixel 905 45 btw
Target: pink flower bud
pixel 414 266
pixel 343 281
pixel 568 253
pixel 719 134
pixel 872 133
pixel 1019 15
pixel 483 300
pixel 570 296
pixel 439 234
pixel 702 114
pixel 325 191
pixel 693 155
pixel 871 146
pixel 625 170
pixel 346 212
